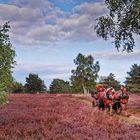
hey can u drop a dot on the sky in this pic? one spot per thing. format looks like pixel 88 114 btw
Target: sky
pixel 47 35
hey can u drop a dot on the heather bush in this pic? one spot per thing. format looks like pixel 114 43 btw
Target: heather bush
pixel 3 97
pixel 59 117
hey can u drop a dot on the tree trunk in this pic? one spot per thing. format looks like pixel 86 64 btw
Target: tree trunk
pixel 85 90
pixel 88 91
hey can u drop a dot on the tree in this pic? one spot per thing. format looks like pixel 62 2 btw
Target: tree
pixel 121 24
pixel 16 87
pixel 60 86
pixel 34 84
pixel 84 76
pixel 7 55
pixel 110 81
pixel 133 79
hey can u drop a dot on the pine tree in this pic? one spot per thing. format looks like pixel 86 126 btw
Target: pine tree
pixel 110 81
pixel 34 84
pixel 133 79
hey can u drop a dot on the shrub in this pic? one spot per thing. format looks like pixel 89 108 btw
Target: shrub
pixel 3 97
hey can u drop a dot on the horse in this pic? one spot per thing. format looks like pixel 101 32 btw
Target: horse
pixel 103 97
pixel 121 98
pixel 108 98
pixel 98 95
pixel 94 95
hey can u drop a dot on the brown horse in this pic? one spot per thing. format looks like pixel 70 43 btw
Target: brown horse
pixel 98 94
pixel 121 97
pixel 100 91
pixel 104 98
pixel 108 98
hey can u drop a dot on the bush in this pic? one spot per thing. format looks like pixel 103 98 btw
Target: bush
pixel 3 98
pixel 135 90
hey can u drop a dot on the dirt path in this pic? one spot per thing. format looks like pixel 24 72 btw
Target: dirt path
pixel 131 117
pixel 135 118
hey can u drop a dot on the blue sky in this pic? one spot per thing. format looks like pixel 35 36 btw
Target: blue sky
pixel 48 34
pixel 67 5
pixel 4 1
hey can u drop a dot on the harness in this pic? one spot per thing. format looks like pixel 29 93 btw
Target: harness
pixel 122 96
pixel 107 96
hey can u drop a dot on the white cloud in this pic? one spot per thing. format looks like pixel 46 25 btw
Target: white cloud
pixel 56 76
pixel 114 55
pixel 47 32
pixel 41 23
pixel 74 22
pixel 42 68
pixel 91 8
pixel 46 72
pixel 14 13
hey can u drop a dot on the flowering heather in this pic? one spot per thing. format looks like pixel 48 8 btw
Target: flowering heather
pixel 134 101
pixel 60 117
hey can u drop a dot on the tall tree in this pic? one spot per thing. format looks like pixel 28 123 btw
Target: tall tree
pixel 109 81
pixel 60 86
pixel 84 76
pixel 133 79
pixel 121 24
pixel 7 55
pixel 34 84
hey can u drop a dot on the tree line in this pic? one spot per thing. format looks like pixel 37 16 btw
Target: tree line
pixel 83 79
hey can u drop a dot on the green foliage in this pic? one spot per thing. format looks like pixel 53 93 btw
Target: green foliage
pixel 60 86
pixel 110 81
pixel 7 55
pixel 34 84
pixel 3 98
pixel 121 24
pixel 16 87
pixel 133 79
pixel 84 76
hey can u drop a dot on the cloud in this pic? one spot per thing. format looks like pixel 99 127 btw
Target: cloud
pixel 24 66
pixel 91 8
pixel 42 23
pixel 35 4
pixel 114 55
pixel 56 76
pixel 47 32
pixel 14 13
pixel 78 27
pixel 45 72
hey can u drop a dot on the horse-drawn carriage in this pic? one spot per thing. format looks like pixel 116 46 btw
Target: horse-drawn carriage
pixel 110 99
